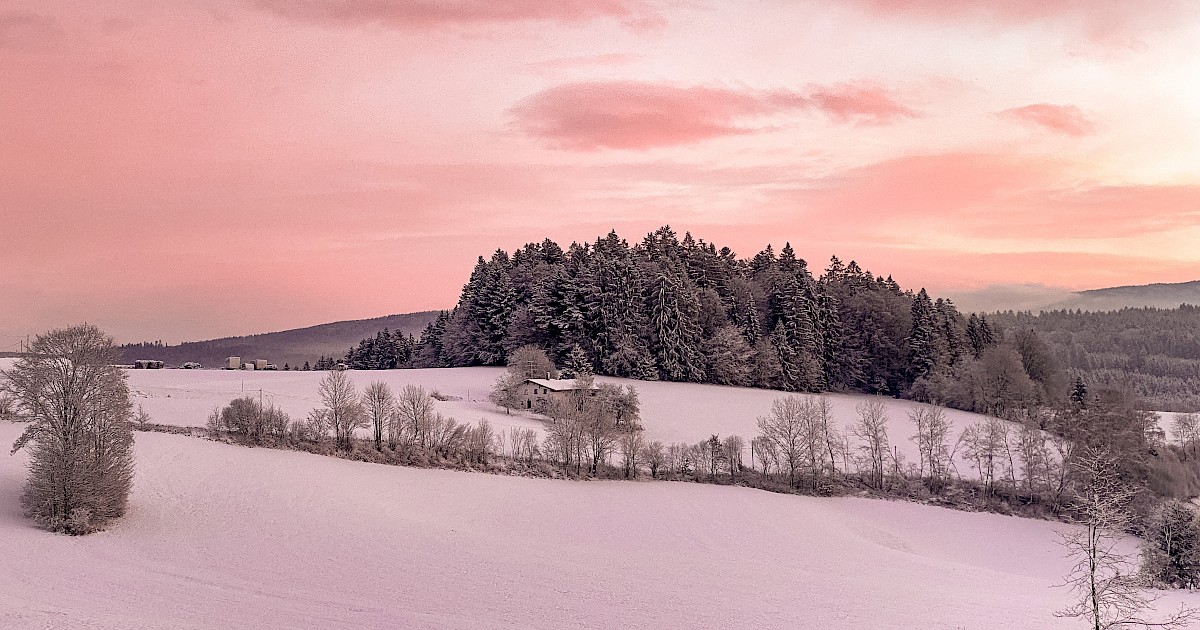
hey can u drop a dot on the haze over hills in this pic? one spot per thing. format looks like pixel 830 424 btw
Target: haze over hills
pixel 286 346
pixel 1037 297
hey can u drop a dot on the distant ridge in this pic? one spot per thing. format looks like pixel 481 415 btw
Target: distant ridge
pixel 287 346
pixel 1159 295
pixel 1038 297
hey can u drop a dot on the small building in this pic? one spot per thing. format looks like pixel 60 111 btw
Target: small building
pixel 537 392
pixel 147 364
pixel 233 363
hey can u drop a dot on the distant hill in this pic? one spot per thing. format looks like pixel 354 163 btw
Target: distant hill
pixel 1036 297
pixel 1162 295
pixel 287 346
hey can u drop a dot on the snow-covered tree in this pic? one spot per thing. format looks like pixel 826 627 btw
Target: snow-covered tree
pixel 1171 547
pixel 80 437
pixel 728 357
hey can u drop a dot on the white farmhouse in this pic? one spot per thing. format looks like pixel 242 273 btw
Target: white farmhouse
pixel 537 392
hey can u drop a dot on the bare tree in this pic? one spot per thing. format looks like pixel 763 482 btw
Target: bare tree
pixel 1036 462
pixel 933 430
pixel 732 449
pixel 655 455
pixel 633 444
pixel 823 426
pixel 480 442
pixel 1185 428
pixel 1106 589
pixel 763 450
pixel 564 433
pixel 343 410
pixel 871 430
pixel 80 436
pixel 506 391
pixel 522 443
pixel 987 447
pixel 414 409
pixel 380 404
pixel 784 429
pixel 444 435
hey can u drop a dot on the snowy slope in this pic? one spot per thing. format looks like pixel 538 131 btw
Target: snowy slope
pixel 220 536
pixel 671 412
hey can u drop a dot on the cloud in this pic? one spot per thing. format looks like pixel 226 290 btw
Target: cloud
pixel 422 14
pixel 1108 23
pixel 1065 119
pixel 584 61
pixel 987 196
pixel 25 30
pixel 641 115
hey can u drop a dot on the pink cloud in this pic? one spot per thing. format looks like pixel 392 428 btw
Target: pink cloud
pixel 988 196
pixel 1109 23
pixel 641 115
pixel 636 14
pixel 859 104
pixel 27 30
pixel 1065 119
pixel 584 61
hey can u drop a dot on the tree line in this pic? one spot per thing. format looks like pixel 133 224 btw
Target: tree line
pixel 682 309
pixel 1154 353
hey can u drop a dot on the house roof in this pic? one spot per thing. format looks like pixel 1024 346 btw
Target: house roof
pixel 556 384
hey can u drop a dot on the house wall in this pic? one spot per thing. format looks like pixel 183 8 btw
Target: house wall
pixel 534 396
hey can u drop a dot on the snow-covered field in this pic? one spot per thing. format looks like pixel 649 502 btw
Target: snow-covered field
pixel 220 536
pixel 671 412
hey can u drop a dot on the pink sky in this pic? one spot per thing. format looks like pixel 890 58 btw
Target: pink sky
pixel 184 170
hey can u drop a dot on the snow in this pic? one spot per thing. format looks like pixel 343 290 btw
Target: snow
pixel 220 536
pixel 671 412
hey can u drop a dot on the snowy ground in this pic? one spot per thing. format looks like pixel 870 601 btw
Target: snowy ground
pixel 671 412
pixel 220 536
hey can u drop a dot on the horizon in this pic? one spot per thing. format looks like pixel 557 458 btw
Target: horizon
pixel 187 171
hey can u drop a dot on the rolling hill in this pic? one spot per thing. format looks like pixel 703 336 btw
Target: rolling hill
pixel 288 346
pixel 1160 295
pixel 1036 297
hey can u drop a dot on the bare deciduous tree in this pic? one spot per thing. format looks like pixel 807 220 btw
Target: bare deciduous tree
pixel 1106 590
pixel 871 430
pixel 655 455
pixel 633 444
pixel 933 430
pixel 380 404
pixel 784 429
pixel 343 410
pixel 1185 429
pixel 986 444
pixel 414 412
pixel 80 437
pixel 732 452
pixel 480 442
